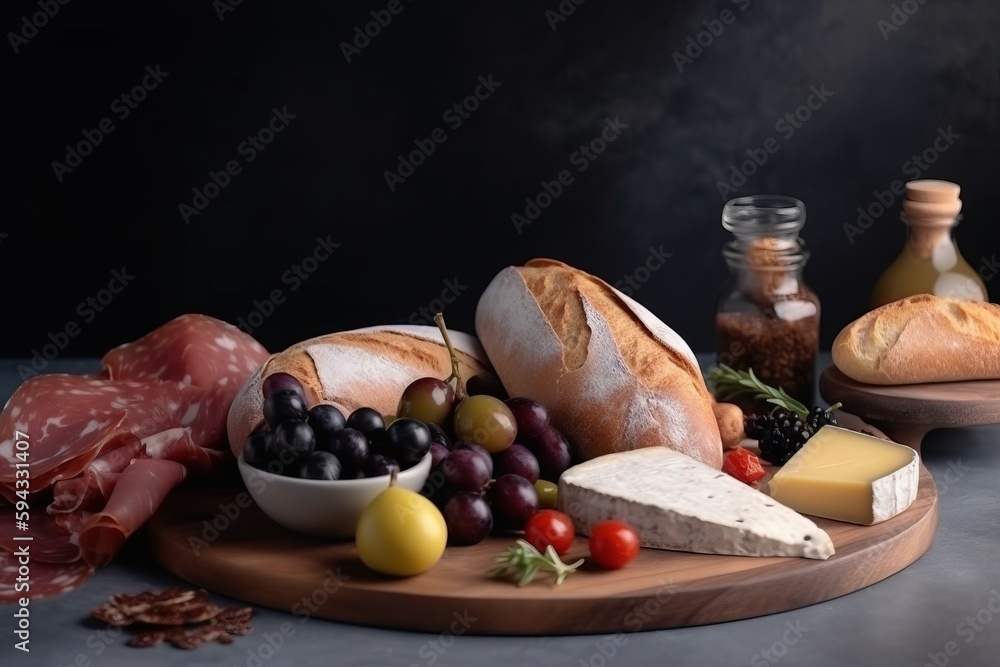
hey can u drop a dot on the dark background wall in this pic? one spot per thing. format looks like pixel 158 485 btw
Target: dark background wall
pixel 656 186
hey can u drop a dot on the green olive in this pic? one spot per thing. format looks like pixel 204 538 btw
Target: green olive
pixel 485 421
pixel 548 493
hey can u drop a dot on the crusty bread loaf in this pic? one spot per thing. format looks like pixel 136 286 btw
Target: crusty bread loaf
pixel 922 338
pixel 612 375
pixel 361 368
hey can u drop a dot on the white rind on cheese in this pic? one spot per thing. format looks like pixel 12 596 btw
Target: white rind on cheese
pixel 895 493
pixel 675 502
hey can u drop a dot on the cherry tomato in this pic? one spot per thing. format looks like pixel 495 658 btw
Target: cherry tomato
pixel 744 465
pixel 613 544
pixel 550 527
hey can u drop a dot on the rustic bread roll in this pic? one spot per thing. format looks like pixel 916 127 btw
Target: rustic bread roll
pixel 362 368
pixel 922 338
pixel 612 375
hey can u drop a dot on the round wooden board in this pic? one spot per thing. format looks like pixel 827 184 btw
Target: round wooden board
pixel 253 559
pixel 907 412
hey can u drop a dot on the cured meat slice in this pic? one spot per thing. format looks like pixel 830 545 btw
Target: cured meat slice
pixel 50 542
pixel 222 628
pixel 110 447
pixel 45 579
pixel 61 427
pixel 139 492
pixel 195 351
pixel 70 419
pixel 174 606
pixel 95 484
pixel 190 349
pixel 185 618
pixel 177 444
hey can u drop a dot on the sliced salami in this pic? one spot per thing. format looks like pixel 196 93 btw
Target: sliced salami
pixel 110 447
pixel 45 580
pixel 190 349
pixel 50 542
pixel 60 427
pixel 70 419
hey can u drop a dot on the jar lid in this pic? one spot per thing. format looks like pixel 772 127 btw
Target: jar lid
pixel 764 215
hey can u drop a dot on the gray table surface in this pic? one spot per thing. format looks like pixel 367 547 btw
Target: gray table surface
pixel 942 610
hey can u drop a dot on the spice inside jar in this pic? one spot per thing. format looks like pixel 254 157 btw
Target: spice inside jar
pixel 768 319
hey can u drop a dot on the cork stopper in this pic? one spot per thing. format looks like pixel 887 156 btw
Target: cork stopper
pixel 930 209
pixel 932 202
pixel 931 190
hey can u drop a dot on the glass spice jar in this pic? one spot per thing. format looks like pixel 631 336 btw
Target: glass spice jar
pixel 767 318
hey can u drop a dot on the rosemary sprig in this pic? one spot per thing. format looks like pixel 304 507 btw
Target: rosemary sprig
pixel 522 562
pixel 728 382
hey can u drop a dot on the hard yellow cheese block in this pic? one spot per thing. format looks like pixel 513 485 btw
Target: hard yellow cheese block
pixel 848 476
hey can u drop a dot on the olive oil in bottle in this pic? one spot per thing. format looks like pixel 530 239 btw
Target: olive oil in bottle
pixel 930 262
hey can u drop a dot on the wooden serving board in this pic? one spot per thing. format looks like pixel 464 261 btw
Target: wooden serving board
pixel 256 560
pixel 907 412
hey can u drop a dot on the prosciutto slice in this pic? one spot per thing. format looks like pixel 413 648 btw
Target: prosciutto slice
pixel 95 484
pixel 139 491
pixel 106 449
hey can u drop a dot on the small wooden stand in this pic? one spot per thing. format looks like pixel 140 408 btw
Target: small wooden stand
pixel 907 412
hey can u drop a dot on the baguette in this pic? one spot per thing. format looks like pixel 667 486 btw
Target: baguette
pixel 922 338
pixel 611 374
pixel 361 368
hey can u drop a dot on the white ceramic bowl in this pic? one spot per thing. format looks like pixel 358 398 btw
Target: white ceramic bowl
pixel 319 508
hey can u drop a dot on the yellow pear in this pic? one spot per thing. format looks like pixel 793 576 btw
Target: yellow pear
pixel 401 533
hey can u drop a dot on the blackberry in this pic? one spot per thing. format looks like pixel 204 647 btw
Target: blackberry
pixel 784 434
pixel 755 426
pixel 818 418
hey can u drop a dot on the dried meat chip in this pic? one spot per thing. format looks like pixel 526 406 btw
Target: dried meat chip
pixel 173 606
pixel 185 618
pixel 236 620
pixel 149 638
pixel 222 628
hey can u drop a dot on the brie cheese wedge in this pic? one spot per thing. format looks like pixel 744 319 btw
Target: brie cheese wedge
pixel 675 502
